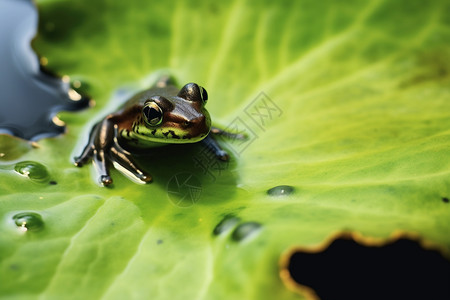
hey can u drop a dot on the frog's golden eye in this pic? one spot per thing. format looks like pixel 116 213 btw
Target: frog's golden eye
pixel 153 114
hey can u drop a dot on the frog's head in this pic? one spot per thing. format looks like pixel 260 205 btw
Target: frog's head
pixel 175 119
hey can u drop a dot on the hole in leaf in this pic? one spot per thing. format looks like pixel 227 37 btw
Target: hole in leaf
pixel 348 270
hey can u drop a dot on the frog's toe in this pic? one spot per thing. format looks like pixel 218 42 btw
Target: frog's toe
pixel 241 136
pixel 106 180
pixel 146 178
pixel 85 156
pixel 223 156
pixel 78 162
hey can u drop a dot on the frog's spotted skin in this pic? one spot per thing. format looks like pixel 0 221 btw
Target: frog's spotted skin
pixel 155 117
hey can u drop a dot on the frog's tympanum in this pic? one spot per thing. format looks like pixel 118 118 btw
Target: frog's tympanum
pixel 155 117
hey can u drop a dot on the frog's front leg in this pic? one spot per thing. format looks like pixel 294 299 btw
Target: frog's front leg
pixel 103 148
pixel 212 144
pixel 100 141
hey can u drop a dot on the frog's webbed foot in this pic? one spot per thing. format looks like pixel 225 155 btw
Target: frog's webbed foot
pixel 127 164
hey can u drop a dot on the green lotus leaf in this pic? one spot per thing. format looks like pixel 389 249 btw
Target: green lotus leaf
pixel 345 103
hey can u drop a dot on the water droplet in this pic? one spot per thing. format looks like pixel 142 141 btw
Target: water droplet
pixel 245 230
pixel 28 221
pixel 228 222
pixel 32 170
pixel 281 190
pixel 445 199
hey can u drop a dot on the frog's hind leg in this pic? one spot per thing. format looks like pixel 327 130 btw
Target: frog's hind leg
pixel 126 162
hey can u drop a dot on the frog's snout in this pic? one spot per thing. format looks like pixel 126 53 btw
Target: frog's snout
pixel 198 127
pixel 194 123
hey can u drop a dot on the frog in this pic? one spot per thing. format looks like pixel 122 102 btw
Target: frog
pixel 159 116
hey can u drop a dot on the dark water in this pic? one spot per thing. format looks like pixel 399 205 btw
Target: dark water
pixel 348 270
pixel 29 97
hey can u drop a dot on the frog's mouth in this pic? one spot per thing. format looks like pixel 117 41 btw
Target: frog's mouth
pixel 171 135
pixel 174 130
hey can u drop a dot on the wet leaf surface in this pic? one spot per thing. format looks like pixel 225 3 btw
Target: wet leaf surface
pixel 347 103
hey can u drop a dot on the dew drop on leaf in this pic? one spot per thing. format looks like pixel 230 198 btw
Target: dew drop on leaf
pixel 26 221
pixel 32 170
pixel 245 230
pixel 281 190
pixel 228 222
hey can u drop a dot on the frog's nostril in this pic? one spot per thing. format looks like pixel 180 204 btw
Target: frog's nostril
pixel 195 122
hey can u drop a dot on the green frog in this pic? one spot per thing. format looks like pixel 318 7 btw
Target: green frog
pixel 156 117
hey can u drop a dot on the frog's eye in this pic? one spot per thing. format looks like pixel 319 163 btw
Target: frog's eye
pixel 203 94
pixel 193 92
pixel 153 114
